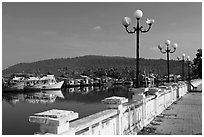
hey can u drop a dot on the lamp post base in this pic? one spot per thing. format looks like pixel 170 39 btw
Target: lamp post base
pixel 136 83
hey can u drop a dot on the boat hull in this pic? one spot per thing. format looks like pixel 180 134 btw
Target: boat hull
pixel 17 87
pixel 45 86
pixel 53 86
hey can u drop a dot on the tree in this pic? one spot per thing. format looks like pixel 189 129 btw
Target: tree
pixel 100 72
pixel 197 64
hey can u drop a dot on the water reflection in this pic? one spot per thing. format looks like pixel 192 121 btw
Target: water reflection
pixel 57 93
pixel 94 94
pixel 43 97
pixel 79 94
pixel 84 100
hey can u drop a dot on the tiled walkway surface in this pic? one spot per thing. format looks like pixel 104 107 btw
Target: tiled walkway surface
pixel 183 117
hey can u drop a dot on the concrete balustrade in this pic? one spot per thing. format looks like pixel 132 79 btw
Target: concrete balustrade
pixel 121 117
pixel 54 121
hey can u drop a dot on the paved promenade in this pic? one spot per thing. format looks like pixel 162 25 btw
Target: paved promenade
pixel 183 117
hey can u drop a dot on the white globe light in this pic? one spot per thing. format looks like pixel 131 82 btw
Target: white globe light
pixel 175 45
pixel 159 47
pixel 126 21
pixel 183 55
pixel 150 21
pixel 168 42
pixel 138 14
pixel 188 58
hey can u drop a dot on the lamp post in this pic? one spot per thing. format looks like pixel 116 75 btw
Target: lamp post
pixel 189 73
pixel 183 63
pixel 189 65
pixel 167 51
pixel 188 61
pixel 136 30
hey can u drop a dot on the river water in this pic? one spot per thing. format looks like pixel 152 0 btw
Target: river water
pixel 17 107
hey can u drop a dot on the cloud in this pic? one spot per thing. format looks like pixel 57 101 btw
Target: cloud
pixel 97 28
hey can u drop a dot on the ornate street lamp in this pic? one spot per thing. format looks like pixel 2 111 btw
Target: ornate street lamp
pixel 167 51
pixel 189 65
pixel 136 30
pixel 189 72
pixel 183 64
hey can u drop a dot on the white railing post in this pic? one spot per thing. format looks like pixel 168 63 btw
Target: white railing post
pixel 139 94
pixel 117 103
pixel 54 121
pixel 90 130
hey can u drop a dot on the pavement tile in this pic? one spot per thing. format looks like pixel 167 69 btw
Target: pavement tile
pixel 181 118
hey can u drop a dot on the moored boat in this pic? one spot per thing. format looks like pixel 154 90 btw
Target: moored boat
pixel 53 86
pixel 15 84
pixel 47 82
pixel 19 86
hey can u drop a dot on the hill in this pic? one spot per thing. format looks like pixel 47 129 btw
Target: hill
pixel 92 63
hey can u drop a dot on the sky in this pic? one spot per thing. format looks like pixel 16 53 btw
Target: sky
pixel 39 31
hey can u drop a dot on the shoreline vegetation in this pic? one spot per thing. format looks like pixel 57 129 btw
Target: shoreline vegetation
pixel 92 64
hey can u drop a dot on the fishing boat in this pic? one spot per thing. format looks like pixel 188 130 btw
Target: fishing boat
pixel 47 82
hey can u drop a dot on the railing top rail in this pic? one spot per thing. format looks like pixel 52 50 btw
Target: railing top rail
pixel 92 119
pixel 133 103
pixel 149 97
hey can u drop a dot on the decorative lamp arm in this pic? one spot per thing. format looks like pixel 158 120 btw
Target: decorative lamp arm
pixel 130 32
pixel 149 22
pixel 163 51
pixel 172 51
pixel 144 31
pixel 174 48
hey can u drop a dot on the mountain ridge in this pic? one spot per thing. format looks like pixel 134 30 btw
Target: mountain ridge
pixel 92 62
